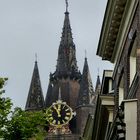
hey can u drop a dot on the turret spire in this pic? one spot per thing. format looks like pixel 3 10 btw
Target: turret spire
pixel 35 57
pixel 98 85
pixel 86 88
pixel 48 99
pixel 85 53
pixel 66 62
pixel 35 100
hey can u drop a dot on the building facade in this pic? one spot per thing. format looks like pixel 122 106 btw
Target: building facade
pixel 117 114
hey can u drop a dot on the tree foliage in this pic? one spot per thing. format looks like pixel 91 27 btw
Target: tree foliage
pixel 24 125
pixel 19 124
pixel 5 107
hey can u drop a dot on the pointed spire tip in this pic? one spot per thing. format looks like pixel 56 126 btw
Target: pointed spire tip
pixel 85 53
pixel 67 6
pixel 35 57
pixel 98 71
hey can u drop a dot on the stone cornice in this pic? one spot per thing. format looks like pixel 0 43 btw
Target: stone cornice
pixel 118 17
pixel 107 100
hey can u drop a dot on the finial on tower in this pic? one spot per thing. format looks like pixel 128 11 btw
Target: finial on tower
pixel 35 57
pixel 67 5
pixel 85 53
pixel 98 71
pixel 59 96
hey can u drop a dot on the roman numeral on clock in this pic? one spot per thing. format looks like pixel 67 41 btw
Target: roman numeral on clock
pixel 63 121
pixel 50 118
pixel 66 118
pixel 49 115
pixel 54 122
pixel 67 109
pixel 58 122
pixel 68 114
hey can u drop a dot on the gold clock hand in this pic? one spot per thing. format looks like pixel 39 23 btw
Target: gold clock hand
pixel 58 111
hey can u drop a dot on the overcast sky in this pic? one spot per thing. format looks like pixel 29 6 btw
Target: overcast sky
pixel 34 26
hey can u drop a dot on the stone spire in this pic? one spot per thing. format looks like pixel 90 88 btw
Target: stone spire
pixel 98 85
pixel 86 88
pixel 35 100
pixel 66 62
pixel 48 95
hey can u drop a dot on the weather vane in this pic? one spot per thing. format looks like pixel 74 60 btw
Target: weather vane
pixel 85 53
pixel 36 57
pixel 67 5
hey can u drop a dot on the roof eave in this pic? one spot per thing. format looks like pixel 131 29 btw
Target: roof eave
pixel 113 24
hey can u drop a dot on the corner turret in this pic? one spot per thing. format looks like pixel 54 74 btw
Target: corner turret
pixel 86 88
pixel 35 100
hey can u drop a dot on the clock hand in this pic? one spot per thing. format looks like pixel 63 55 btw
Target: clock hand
pixel 58 111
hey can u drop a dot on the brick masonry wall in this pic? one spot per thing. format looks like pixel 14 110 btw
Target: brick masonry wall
pixel 62 137
pixel 138 70
pixel 123 67
pixel 82 116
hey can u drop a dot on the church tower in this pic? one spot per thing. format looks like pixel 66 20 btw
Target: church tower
pixel 66 76
pixel 86 91
pixel 35 100
pixel 77 91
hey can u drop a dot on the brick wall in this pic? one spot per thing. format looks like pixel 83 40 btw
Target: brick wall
pixel 123 66
pixel 82 116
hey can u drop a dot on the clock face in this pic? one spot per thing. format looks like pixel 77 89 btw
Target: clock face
pixel 59 114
